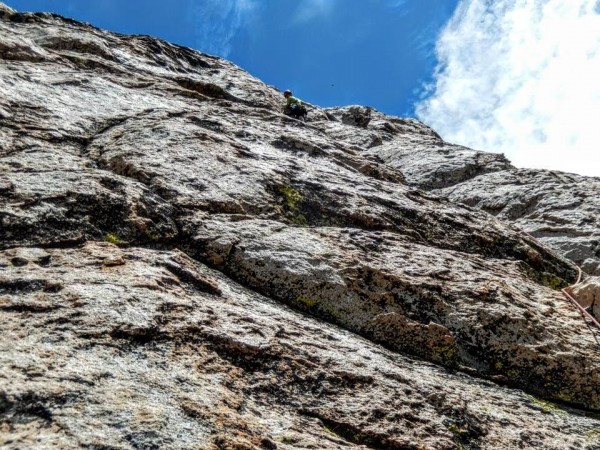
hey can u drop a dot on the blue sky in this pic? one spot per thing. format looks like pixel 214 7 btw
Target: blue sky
pixel 513 76
pixel 329 52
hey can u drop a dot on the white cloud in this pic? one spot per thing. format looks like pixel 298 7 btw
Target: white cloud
pixel 521 77
pixel 218 21
pixel 311 9
pixel 396 3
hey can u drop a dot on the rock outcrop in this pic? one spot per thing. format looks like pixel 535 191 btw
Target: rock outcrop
pixel 182 266
pixel 559 209
pixel 108 347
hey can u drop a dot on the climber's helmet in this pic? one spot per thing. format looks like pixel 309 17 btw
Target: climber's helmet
pixel 287 93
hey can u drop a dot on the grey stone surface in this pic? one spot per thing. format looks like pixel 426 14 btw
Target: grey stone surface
pixel 182 266
pixel 559 209
pixel 106 347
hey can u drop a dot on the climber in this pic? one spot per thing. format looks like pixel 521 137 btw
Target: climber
pixel 294 106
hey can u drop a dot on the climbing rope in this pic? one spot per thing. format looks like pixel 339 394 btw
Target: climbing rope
pixel 566 292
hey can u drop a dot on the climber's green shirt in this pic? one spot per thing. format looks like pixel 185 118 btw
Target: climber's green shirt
pixel 291 100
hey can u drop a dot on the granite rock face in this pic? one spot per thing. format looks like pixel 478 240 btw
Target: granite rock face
pixel 559 209
pixel 108 347
pixel 182 266
pixel 587 294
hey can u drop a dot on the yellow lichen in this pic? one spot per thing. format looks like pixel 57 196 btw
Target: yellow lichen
pixel 113 238
pixel 445 354
pixel 292 200
pixel 292 196
pixel 552 281
pixel 593 434
pixel 331 431
pixel 546 406
pixel 512 374
pixel 307 301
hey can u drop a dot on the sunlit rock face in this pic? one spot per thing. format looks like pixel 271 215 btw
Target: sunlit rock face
pixel 182 266
pixel 559 209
